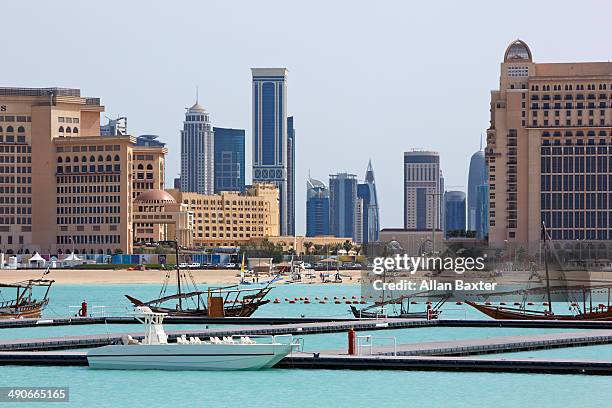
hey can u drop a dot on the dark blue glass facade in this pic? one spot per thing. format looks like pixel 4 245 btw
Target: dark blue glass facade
pixel 342 204
pixel 271 144
pixel 482 204
pixel 290 177
pixel 317 208
pixel 229 159
pixel 476 177
pixel 454 207
pixel 421 208
pixel 575 197
pixel 267 124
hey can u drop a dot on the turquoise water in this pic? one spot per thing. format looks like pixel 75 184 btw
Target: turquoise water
pixel 112 297
pixel 306 388
pixel 312 388
pixel 601 352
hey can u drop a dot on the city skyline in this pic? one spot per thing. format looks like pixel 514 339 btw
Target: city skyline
pixel 152 91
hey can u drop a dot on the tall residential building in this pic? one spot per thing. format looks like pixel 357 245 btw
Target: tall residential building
pixel 476 177
pixel 62 185
pixel 253 214
pixel 229 159
pixel 114 127
pixel 317 208
pixel 367 209
pixel 270 145
pixel 290 177
pixel 549 147
pixel 454 204
pixel 423 194
pixel 197 152
pixel 343 205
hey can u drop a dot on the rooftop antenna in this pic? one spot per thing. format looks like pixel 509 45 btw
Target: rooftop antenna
pixel 481 141
pixel 197 94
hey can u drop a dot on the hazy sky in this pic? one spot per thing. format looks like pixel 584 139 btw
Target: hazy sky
pixel 367 80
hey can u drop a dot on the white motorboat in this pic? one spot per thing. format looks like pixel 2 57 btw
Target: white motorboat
pixel 156 353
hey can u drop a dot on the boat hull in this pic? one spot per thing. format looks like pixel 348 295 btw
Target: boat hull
pixel 28 310
pixel 500 313
pixel 245 309
pixel 410 315
pixel 213 357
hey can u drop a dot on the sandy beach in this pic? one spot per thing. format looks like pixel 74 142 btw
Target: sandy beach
pixel 123 276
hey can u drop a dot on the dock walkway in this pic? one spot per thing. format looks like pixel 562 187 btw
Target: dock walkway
pixel 344 362
pixel 97 340
pixel 489 345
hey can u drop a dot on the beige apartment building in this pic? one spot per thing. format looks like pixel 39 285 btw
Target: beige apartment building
pixel 549 150
pixel 230 218
pixel 62 185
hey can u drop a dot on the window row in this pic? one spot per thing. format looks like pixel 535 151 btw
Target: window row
pixel 68 130
pixel 75 159
pixel 100 168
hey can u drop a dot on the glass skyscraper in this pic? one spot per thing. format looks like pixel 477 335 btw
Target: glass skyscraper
pixel 482 218
pixel 270 144
pixel 367 209
pixel 476 177
pixel 229 159
pixel 290 177
pixel 317 208
pixel 454 208
pixel 197 155
pixel 343 205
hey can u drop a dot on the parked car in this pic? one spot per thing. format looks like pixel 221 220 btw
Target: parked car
pixel 230 265
pixel 194 265
pixel 183 265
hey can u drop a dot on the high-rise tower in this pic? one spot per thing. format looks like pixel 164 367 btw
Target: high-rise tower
pixel 290 177
pixel 197 152
pixel 270 145
pixel 317 208
pixel 229 159
pixel 343 205
pixel 368 208
pixel 423 188
pixel 476 177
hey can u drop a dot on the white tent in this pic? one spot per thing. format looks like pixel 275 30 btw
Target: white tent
pixel 37 258
pixel 72 257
